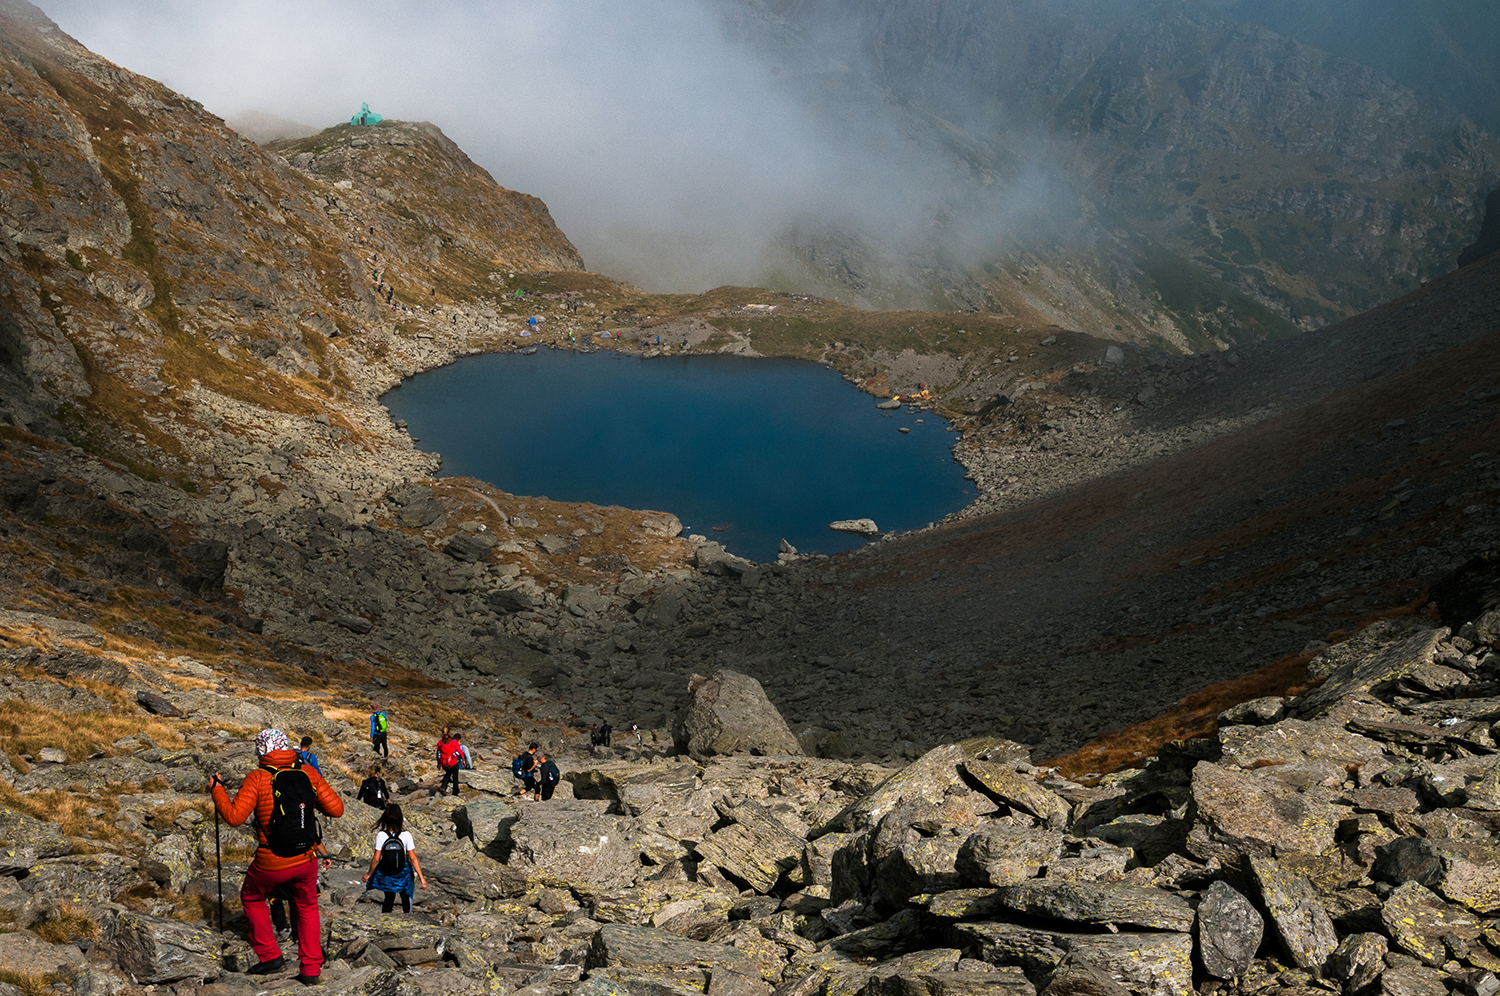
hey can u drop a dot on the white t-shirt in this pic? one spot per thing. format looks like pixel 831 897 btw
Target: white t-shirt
pixel 406 840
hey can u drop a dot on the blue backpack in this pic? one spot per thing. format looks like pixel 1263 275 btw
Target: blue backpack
pixel 518 765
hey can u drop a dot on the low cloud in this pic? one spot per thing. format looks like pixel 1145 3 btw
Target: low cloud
pixel 670 154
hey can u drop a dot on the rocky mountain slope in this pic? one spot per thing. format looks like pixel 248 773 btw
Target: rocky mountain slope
pixel 1167 172
pixel 210 525
pixel 1341 839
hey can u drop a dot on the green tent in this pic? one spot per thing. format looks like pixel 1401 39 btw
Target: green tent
pixel 366 116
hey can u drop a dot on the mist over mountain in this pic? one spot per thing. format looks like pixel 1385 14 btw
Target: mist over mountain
pixel 1195 174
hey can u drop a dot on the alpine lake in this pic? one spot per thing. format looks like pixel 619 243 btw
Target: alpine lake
pixel 746 451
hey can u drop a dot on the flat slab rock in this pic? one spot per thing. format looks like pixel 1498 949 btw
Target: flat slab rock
pixel 651 949
pixel 1153 964
pixel 1100 903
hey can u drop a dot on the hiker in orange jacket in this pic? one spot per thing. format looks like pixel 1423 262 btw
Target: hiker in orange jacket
pixel 270 869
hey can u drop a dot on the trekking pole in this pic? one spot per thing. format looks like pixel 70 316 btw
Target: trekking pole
pixel 219 873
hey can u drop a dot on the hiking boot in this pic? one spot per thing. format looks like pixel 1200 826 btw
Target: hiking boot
pixel 267 967
pixel 310 980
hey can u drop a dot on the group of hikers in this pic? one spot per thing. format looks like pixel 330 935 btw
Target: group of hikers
pixel 284 794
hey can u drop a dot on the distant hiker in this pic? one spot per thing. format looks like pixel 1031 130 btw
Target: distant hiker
pixel 604 732
pixel 449 756
pixel 523 766
pixel 466 761
pixel 595 737
pixel 547 777
pixel 378 727
pixel 394 861
pixel 306 756
pixel 284 797
pixel 373 791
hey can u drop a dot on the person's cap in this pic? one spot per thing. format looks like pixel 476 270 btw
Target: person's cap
pixel 268 740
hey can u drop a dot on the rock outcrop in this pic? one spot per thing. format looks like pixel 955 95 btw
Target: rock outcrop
pixel 729 713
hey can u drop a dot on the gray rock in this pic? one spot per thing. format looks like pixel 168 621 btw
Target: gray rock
pixel 156 705
pixel 1229 932
pixel 1248 812
pixel 663 956
pixel 755 847
pixel 470 548
pixel 1300 919
pixel 27 954
pixel 1099 903
pixel 573 845
pixel 1417 920
pixel 927 779
pixel 1006 857
pixel 925 865
pixel 155 951
pixel 1151 964
pixel 729 713
pixel 1075 977
pixel 1358 960
pixel 1256 712
pixel 1369 673
pixel 1462 871
pixel 1004 784
pixel 855 527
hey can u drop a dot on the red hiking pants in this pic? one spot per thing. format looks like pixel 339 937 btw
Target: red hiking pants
pixel 304 879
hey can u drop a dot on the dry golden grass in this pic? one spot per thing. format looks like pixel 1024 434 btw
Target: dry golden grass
pixel 69 925
pixel 1195 716
pixel 28 728
pixel 69 811
pixel 30 985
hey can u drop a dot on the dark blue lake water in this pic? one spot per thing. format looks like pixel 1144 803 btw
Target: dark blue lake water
pixel 769 448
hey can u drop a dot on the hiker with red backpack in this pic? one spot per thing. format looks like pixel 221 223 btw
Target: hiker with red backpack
pixel 450 755
pixel 284 796
pixel 394 861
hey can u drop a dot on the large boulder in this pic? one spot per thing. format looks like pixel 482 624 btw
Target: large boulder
pixel 1463 871
pixel 574 845
pixel 1229 932
pixel 730 714
pixel 649 954
pixel 155 950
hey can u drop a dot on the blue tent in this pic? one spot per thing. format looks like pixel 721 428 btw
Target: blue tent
pixel 366 116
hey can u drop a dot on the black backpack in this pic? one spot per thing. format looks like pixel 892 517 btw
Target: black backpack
pixel 392 856
pixel 372 792
pixel 293 829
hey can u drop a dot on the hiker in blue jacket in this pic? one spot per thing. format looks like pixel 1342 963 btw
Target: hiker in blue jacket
pixel 306 755
pixel 378 727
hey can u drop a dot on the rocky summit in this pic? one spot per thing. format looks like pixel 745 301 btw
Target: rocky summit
pixel 1196 694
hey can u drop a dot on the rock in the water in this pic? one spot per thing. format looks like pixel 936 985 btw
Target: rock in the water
pixel 1229 932
pixel 888 405
pixel 856 527
pixel 730 714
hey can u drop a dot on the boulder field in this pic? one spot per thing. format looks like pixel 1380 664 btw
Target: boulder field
pixel 1338 841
